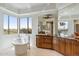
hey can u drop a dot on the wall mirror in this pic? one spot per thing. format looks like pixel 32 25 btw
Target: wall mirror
pixel 62 28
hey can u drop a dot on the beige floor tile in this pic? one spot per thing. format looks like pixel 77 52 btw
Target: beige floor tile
pixel 31 52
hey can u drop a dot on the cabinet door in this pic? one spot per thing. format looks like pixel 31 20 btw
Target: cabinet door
pixel 77 48
pixel 68 47
pixel 44 41
pixel 62 45
pixel 54 43
pixel 39 41
pixel 46 45
pixel 74 48
pixel 47 42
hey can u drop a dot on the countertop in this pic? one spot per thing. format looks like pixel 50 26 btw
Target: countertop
pixel 71 38
pixel 43 35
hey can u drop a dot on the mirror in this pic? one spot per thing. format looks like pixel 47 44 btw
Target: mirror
pixel 62 28
pixel 45 24
pixel 67 27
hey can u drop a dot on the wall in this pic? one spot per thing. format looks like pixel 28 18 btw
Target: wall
pixel 34 30
pixel 1 24
pixel 70 13
pixel 1 30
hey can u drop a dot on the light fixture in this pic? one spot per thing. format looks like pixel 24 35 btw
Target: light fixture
pixel 47 16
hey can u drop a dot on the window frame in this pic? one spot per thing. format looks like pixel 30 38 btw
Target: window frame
pixel 27 18
pixel 18 25
pixel 9 24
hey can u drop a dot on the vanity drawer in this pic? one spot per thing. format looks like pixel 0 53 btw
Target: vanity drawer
pixel 48 41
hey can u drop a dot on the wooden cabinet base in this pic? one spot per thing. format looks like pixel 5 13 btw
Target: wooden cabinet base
pixel 44 41
pixel 65 46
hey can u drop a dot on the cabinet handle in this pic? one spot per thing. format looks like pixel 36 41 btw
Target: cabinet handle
pixel 46 39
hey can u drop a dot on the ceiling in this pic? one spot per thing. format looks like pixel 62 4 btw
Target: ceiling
pixel 64 9
pixel 21 8
pixel 71 11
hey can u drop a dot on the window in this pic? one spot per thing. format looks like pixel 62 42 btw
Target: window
pixel 23 25
pixel 30 25
pixel 26 25
pixel 6 24
pixel 10 24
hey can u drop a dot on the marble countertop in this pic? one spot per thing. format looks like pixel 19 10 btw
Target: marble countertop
pixel 44 35
pixel 69 37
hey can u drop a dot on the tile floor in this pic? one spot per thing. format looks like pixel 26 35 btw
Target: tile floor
pixel 32 52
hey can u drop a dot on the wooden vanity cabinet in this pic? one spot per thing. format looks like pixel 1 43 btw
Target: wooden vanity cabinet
pixel 65 46
pixel 44 41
